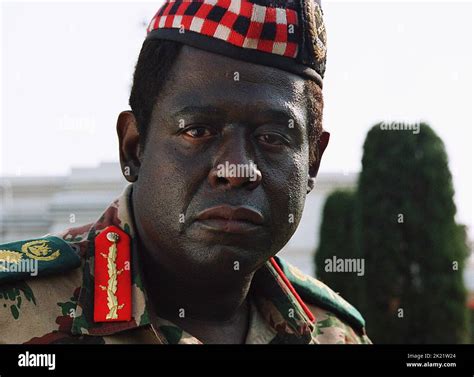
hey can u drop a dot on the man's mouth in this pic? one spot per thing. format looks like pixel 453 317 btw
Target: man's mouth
pixel 230 219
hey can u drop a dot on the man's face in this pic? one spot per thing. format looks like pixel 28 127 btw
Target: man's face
pixel 217 112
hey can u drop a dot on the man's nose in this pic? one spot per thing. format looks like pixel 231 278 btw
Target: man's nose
pixel 233 167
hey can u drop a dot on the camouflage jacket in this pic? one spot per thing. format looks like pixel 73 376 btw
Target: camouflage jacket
pixel 57 305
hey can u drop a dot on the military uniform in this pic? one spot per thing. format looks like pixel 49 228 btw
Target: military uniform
pixel 58 306
pixel 89 287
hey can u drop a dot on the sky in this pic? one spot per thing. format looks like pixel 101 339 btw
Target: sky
pixel 66 70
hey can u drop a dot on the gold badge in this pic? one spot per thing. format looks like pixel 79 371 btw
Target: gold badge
pixel 39 250
pixel 317 30
pixel 320 38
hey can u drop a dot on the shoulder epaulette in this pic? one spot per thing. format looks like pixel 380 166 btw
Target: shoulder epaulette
pixel 27 259
pixel 319 294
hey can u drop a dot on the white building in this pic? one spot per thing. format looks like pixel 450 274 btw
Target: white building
pixel 34 206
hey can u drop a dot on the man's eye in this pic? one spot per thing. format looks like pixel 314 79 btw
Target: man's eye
pixel 197 132
pixel 272 139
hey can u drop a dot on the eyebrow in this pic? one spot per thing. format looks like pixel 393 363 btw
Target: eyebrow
pixel 208 110
pixel 270 113
pixel 285 114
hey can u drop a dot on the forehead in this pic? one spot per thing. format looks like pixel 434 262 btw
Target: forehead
pixel 203 78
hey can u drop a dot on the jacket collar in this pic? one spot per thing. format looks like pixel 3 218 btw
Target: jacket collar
pixel 274 299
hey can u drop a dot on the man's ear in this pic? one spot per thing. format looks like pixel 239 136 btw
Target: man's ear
pixel 129 145
pixel 314 168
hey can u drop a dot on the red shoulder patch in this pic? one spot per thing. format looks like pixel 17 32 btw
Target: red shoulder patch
pixel 113 286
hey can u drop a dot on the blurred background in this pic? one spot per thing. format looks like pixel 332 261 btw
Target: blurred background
pixel 399 200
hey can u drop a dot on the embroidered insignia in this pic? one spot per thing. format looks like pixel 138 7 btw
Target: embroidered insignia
pixel 39 250
pixel 320 39
pixel 317 31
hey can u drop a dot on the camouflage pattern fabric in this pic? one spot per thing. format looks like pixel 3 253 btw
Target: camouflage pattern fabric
pixel 58 307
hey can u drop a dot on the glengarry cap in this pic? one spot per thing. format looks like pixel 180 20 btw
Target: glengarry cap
pixel 288 35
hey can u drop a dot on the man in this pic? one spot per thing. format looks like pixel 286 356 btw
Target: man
pixel 222 145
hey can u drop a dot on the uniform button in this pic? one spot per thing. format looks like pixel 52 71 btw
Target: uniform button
pixel 112 237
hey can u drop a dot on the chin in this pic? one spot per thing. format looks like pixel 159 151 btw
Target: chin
pixel 229 259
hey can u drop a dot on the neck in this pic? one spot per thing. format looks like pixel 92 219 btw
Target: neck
pixel 198 296
pixel 211 310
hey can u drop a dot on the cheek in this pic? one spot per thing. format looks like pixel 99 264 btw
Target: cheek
pixel 297 197
pixel 287 196
pixel 166 184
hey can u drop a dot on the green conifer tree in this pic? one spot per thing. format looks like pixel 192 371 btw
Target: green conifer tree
pixel 413 288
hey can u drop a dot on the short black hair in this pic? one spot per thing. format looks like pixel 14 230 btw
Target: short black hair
pixel 152 72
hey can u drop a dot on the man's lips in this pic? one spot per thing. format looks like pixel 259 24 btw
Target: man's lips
pixel 226 218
